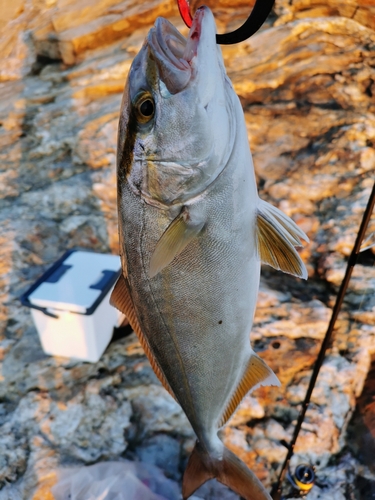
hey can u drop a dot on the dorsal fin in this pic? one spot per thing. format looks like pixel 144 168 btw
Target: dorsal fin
pixel 257 373
pixel 121 299
pixel 276 236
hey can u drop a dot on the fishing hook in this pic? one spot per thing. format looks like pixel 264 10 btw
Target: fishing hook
pixel 258 15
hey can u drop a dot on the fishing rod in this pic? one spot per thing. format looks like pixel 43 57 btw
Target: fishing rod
pixel 276 490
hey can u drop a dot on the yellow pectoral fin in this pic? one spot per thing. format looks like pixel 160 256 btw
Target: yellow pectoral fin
pixel 176 237
pixel 121 299
pixel 257 373
pixel 276 236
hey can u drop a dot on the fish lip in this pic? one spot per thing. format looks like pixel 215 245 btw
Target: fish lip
pixel 194 36
pixel 175 56
pixel 167 43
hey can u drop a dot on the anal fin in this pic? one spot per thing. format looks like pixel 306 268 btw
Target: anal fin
pixel 276 237
pixel 257 373
pixel 121 299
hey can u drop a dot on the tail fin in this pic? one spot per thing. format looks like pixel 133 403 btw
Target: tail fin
pixel 229 470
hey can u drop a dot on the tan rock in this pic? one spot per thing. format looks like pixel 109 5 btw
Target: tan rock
pixel 310 322
pixel 44 462
pixel 236 441
pixel 10 10
pixel 17 53
pixel 273 70
pixel 362 11
pixel 103 183
pixel 87 25
pixel 158 411
pixel 249 409
pixel 103 132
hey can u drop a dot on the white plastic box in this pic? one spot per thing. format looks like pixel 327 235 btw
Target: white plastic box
pixel 70 305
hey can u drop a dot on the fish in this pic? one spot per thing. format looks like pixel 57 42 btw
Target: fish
pixel 193 233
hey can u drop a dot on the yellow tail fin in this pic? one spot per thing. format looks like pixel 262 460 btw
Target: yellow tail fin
pixel 229 470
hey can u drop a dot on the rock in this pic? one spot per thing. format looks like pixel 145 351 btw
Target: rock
pixel 157 411
pixel 306 82
pixel 27 368
pixel 310 321
pixel 362 12
pixel 16 48
pixel 76 421
pixel 163 451
pixel 281 74
pixel 107 22
pixel 14 455
pixel 249 409
pixel 40 475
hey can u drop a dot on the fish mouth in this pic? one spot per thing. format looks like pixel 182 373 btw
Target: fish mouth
pixel 167 43
pixel 173 53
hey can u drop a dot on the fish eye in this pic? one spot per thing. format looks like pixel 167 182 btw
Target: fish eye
pixel 145 108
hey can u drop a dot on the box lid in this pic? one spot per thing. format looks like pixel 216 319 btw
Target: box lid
pixel 77 282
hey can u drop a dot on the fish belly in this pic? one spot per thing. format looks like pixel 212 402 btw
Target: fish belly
pixel 197 313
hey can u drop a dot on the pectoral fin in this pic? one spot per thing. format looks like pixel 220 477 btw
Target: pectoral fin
pixel 257 373
pixel 276 236
pixel 176 237
pixel 121 299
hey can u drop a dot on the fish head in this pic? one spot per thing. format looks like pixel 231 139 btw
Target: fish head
pixel 176 123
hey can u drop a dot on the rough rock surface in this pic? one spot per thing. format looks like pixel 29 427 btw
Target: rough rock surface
pixel 307 85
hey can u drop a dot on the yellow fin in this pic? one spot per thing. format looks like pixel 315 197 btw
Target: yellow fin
pixel 228 469
pixel 292 232
pixel 196 473
pixel 176 237
pixel 257 373
pixel 121 299
pixel 277 235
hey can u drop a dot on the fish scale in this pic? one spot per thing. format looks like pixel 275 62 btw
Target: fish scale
pixel 186 286
pixel 192 234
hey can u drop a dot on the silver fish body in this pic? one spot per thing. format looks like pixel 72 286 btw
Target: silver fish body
pixel 192 233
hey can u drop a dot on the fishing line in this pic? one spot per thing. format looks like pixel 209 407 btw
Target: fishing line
pixel 276 490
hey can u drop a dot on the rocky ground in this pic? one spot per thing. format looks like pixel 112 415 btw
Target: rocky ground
pixel 307 85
